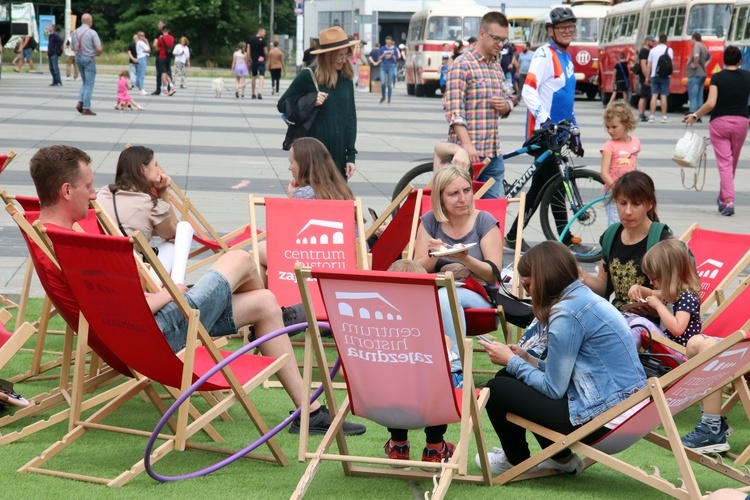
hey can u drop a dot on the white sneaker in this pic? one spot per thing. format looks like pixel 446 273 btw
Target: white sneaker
pixel 498 462
pixel 143 92
pixel 139 107
pixel 651 119
pixel 664 119
pixel 67 78
pixel 574 467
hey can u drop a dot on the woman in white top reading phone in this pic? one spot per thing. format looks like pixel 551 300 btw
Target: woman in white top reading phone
pixel 455 237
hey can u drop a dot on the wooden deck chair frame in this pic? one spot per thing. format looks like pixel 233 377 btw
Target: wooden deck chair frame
pixel 205 235
pixel 360 249
pixel 471 403
pixel 661 399
pixel 61 397
pixel 197 339
pixel 721 321
pixel 12 342
pixel 735 268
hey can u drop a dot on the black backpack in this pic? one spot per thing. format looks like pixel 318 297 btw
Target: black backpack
pixel 32 44
pixel 664 64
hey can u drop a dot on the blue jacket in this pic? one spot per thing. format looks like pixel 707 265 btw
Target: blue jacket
pixel 591 358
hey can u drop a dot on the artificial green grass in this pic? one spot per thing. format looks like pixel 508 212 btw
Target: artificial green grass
pixel 108 454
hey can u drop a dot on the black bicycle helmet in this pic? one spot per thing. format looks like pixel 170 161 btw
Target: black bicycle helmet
pixel 559 15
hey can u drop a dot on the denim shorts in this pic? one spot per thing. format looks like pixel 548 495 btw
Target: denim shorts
pixel 660 85
pixel 212 296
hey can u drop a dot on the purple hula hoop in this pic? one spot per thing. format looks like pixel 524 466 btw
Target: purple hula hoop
pixel 271 433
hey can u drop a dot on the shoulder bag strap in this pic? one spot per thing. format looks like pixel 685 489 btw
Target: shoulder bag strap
pixel 117 216
pixel 312 75
pixel 499 279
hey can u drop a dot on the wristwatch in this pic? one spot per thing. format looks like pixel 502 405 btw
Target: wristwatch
pixel 695 116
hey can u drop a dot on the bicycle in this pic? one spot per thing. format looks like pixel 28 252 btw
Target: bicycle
pixel 574 193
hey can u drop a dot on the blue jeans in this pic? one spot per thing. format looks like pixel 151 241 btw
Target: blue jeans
pixel 212 296
pixel 87 68
pixel 390 72
pixel 54 69
pixel 695 92
pixel 660 86
pixel 467 300
pixel 142 63
pixel 133 69
pixel 496 170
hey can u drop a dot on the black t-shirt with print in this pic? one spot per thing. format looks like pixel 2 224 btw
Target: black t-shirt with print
pixel 623 267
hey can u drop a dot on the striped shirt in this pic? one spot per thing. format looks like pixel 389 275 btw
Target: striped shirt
pixel 472 82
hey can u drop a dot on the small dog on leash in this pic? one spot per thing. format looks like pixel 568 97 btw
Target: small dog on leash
pixel 218 86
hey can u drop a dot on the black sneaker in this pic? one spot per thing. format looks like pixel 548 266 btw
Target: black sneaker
pixel 511 245
pixel 643 118
pixel 294 314
pixel 321 421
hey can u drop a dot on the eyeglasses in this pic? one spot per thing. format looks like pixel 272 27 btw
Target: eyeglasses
pixel 344 57
pixel 498 40
pixel 566 29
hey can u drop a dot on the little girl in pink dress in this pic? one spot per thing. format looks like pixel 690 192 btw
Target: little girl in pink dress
pixel 123 96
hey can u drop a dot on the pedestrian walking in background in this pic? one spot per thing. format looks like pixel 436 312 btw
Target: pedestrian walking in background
pixel 181 55
pixel 87 46
pixel 641 69
pixel 70 60
pixel 696 72
pixel 239 69
pixel 143 51
pixel 54 51
pixel 133 61
pixel 335 123
pixel 275 65
pixel 727 104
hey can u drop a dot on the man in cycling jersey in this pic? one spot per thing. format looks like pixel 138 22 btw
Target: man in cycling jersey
pixel 475 98
pixel 549 95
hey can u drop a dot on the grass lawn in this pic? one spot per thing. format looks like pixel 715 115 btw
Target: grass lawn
pixel 108 454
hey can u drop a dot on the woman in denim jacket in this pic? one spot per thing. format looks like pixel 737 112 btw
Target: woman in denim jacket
pixel 591 364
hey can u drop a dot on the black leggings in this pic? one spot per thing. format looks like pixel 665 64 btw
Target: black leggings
pixel 433 435
pixel 547 170
pixel 275 77
pixel 508 395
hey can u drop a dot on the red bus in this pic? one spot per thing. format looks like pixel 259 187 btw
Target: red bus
pixel 429 30
pixel 628 23
pixel 585 46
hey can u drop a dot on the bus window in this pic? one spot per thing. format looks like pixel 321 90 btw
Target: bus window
pixel 705 19
pixel 471 27
pixel 741 29
pixel 416 30
pixel 586 30
pixel 444 28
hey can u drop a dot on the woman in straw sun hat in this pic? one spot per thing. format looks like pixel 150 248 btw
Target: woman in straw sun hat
pixel 335 124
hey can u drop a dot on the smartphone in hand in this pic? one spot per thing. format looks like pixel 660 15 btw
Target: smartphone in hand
pixel 484 339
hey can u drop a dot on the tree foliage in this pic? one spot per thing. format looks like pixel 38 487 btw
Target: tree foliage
pixel 211 25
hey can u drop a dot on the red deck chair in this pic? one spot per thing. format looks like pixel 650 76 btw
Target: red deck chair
pixel 655 405
pixel 6 159
pixel 314 232
pixel 105 281
pixel 30 206
pixel 58 294
pixel 204 234
pixel 719 258
pixel 397 379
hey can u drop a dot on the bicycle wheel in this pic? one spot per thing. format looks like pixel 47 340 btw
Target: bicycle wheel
pixel 419 177
pixel 585 227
